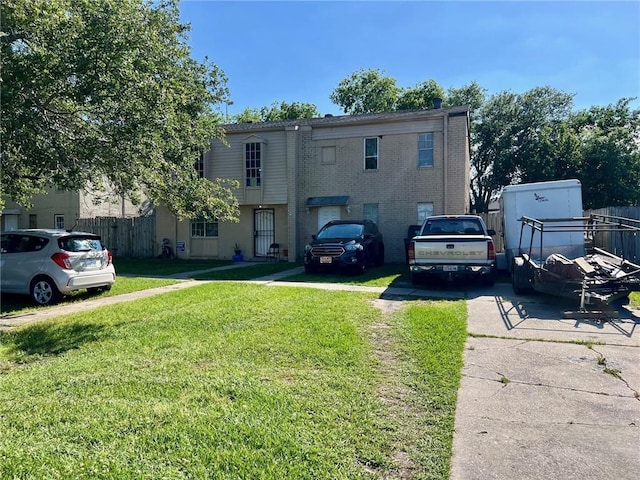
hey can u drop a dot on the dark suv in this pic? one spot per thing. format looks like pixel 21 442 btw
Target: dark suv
pixel 345 244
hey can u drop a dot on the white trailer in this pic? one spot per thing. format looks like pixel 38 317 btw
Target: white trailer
pixel 561 199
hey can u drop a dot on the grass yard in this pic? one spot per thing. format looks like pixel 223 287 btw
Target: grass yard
pixel 390 274
pixel 19 304
pixel 234 381
pixel 635 299
pixel 161 267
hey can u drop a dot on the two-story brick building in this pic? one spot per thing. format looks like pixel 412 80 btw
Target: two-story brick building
pixel 394 168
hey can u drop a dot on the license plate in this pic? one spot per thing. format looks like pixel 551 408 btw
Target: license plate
pixel 449 268
pixel 325 259
pixel 90 262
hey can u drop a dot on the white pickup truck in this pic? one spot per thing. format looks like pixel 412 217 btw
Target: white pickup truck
pixel 453 246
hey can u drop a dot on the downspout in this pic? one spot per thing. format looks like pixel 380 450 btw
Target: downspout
pixel 445 152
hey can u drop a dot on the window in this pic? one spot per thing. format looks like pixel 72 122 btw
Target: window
pixel 58 222
pixel 328 155
pixel 425 150
pixel 33 221
pixel 199 165
pixel 252 162
pixel 22 243
pixel 204 228
pixel 371 212
pixel 424 210
pixel 371 153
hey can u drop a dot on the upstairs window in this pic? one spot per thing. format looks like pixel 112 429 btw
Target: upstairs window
pixel 253 164
pixel 425 150
pixel 199 166
pixel 371 153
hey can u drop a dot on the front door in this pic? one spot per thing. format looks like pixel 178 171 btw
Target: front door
pixel 264 232
pixel 326 214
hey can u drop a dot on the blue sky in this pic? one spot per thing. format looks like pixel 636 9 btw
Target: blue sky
pixel 298 51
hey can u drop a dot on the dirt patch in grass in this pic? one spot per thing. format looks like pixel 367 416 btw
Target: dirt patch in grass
pixel 394 392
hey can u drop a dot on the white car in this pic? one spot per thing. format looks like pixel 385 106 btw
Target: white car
pixel 47 264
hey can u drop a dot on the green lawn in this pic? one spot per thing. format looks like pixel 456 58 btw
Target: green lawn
pixel 635 299
pixel 160 267
pixel 232 380
pixel 18 304
pixel 391 274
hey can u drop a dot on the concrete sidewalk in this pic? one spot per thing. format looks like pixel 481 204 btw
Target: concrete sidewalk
pixel 532 406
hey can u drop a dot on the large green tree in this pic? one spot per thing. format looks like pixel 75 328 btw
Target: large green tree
pixel 522 138
pixel 278 111
pixel 366 91
pixel 372 91
pixel 97 91
pixel 421 96
pixel 610 154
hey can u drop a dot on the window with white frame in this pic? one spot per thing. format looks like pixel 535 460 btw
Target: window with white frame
pixel 58 221
pixel 370 212
pixel 371 153
pixel 425 150
pixel 204 228
pixel 424 210
pixel 199 165
pixel 253 164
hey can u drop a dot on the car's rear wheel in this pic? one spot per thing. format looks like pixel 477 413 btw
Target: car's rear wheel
pixel 44 291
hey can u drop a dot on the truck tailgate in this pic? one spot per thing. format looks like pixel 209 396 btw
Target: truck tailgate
pixel 452 250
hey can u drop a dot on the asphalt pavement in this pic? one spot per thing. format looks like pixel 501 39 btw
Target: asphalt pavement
pixel 544 394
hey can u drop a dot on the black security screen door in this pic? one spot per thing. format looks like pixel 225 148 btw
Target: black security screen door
pixel 263 235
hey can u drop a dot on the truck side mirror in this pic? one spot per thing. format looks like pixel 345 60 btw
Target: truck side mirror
pixel 491 231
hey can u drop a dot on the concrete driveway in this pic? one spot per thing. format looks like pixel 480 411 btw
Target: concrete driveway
pixel 534 404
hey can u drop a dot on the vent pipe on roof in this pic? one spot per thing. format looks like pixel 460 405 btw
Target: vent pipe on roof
pixel 328 115
pixel 437 102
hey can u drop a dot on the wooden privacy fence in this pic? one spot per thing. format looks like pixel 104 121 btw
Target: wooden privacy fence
pixel 623 244
pixel 124 237
pixel 626 245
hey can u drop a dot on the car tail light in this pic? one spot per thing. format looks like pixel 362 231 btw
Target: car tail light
pixel 109 258
pixel 63 260
pixel 411 251
pixel 491 251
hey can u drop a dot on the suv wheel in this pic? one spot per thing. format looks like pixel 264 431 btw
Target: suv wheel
pixel 309 269
pixel 380 259
pixel 362 267
pixel 44 291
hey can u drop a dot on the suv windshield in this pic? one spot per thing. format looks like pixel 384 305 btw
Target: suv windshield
pixel 346 230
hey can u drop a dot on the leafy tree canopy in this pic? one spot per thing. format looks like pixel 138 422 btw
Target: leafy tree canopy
pixel 95 91
pixel 366 91
pixel 609 139
pixel 278 112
